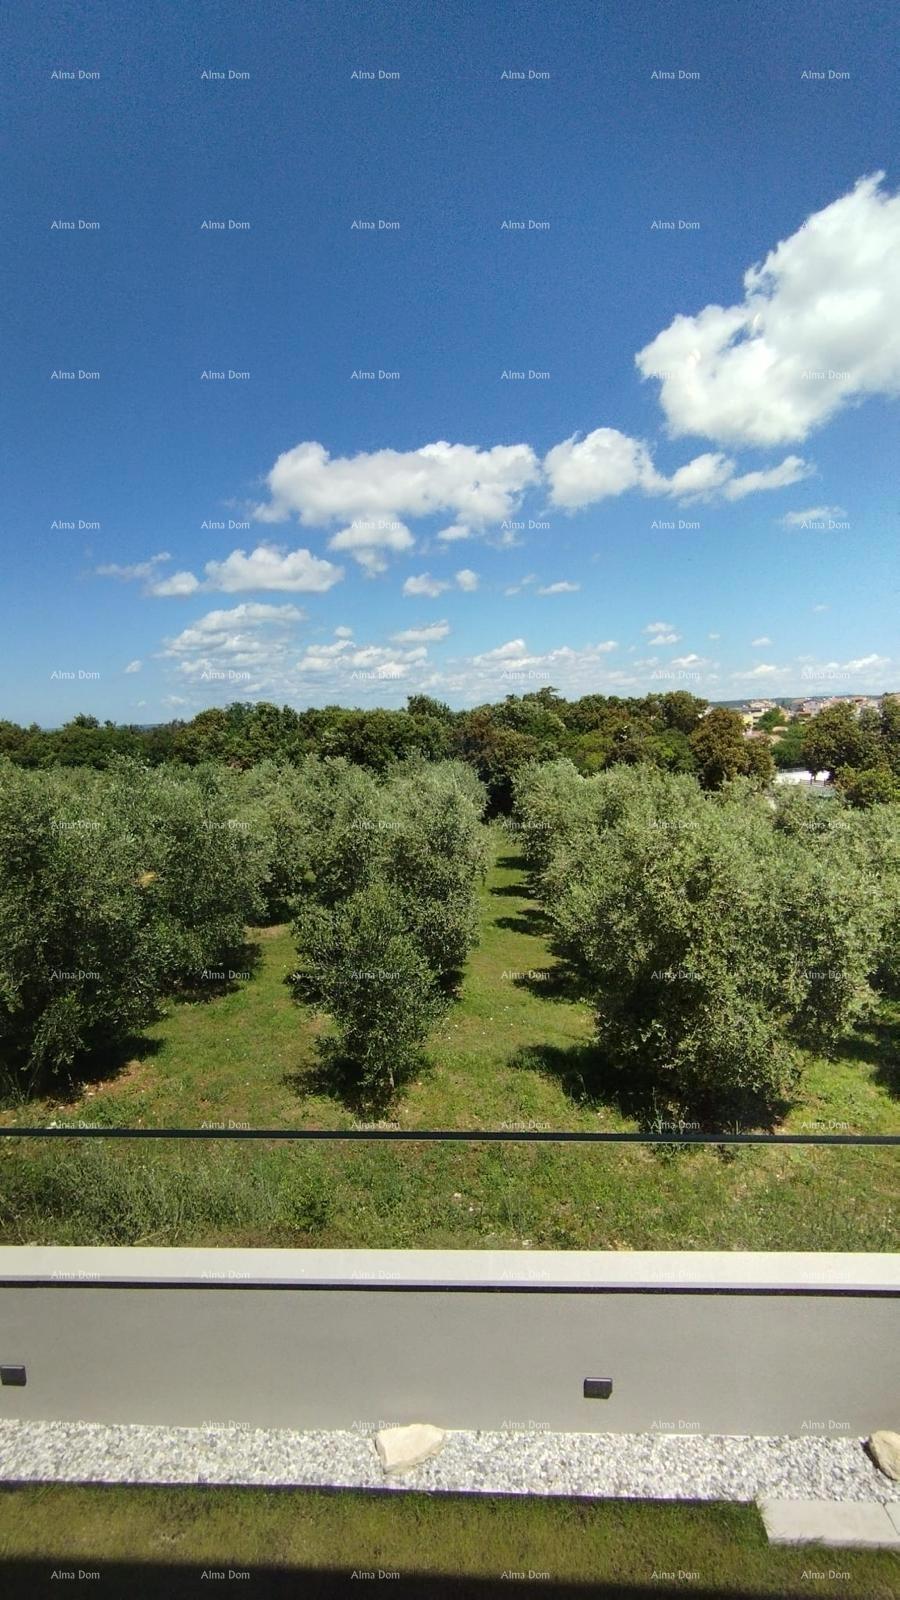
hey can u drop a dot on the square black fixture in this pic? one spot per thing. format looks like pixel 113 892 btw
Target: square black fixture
pixel 14 1377
pixel 597 1388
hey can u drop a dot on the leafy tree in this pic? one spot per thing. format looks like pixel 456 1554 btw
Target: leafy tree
pixel 719 747
pixel 369 973
pixel 708 940
pixel 833 738
pixel 869 786
pixel 77 956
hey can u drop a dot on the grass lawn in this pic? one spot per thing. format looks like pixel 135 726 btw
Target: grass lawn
pixel 513 1051
pixel 156 1541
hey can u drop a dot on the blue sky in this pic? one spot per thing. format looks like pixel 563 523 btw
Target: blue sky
pixel 709 457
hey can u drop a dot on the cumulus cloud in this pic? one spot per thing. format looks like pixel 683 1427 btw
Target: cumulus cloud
pixel 266 567
pixel 244 643
pixel 476 486
pixel 270 566
pixel 791 470
pixel 424 584
pixel 802 519
pixel 819 327
pixel 429 632
pixel 467 579
pixel 763 639
pixel 662 633
pixel 178 583
pixel 562 587
pixel 606 462
pixel 456 531
pixel 138 569
pixel 368 537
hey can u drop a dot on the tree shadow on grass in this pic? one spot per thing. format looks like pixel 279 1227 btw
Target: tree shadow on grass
pixel 877 1043
pixel 555 981
pixel 335 1075
pixel 593 1082
pixel 106 1064
pixel 530 921
pixel 232 969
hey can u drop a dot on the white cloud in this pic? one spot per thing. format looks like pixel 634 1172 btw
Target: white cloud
pixel 425 584
pixel 134 666
pixel 800 519
pixel 431 631
pixel 467 579
pixel 662 633
pixel 563 587
pixel 606 462
pixel 513 649
pixel 343 633
pixel 713 636
pixel 367 537
pixel 516 588
pixel 179 583
pixel 791 470
pixel 272 567
pixel 456 531
pixel 246 650
pixel 139 569
pixel 476 486
pixel 688 661
pixel 763 639
pixel 819 327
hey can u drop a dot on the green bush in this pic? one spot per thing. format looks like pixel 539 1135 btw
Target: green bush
pixel 78 965
pixel 709 940
pixel 392 889
pixel 202 865
pixel 368 972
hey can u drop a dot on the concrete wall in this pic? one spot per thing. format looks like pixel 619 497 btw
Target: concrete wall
pixel 705 1342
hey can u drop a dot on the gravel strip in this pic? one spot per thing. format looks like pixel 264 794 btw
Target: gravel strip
pixel 623 1466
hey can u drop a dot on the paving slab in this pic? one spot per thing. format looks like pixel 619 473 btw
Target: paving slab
pixel 847 1523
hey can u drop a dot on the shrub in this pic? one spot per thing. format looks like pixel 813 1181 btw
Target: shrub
pixel 433 853
pixel 77 957
pixel 201 864
pixel 369 973
pixel 708 940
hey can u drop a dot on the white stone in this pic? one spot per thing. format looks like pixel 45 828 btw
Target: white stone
pixel 885 1448
pixel 830 1522
pixel 402 1448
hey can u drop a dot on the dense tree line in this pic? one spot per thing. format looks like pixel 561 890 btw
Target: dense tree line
pixel 712 932
pixel 674 732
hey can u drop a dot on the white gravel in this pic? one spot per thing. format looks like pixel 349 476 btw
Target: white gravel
pixel 626 1466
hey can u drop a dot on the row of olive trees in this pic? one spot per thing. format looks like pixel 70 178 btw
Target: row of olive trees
pixel 115 889
pixel 388 910
pixel 712 933
pixel 120 887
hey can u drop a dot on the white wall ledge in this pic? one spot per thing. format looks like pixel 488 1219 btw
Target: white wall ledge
pixel 684 1271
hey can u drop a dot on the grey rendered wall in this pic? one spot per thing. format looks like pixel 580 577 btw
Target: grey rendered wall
pixel 332 1352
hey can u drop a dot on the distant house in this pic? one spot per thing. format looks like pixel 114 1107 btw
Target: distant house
pixel 814 780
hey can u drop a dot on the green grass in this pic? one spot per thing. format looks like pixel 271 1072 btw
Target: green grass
pixel 513 1051
pixel 615 1547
